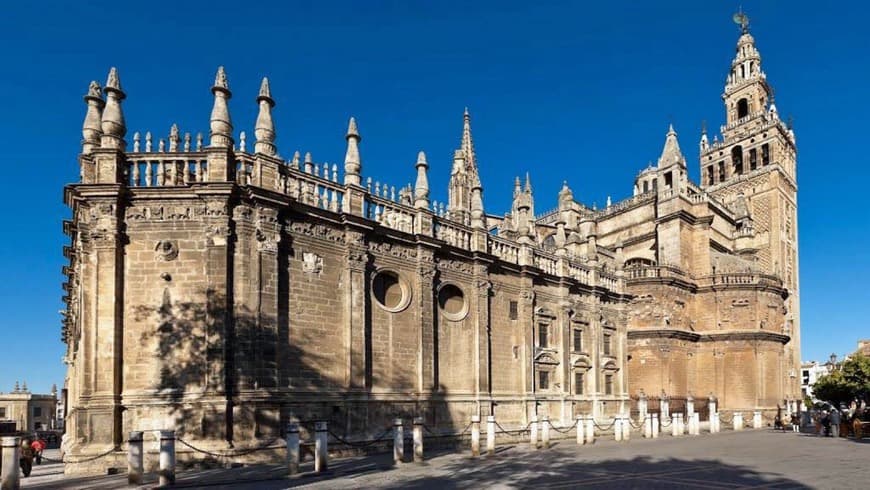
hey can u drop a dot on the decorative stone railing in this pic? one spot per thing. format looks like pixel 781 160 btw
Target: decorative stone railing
pixel 580 272
pixel 504 249
pixel 165 169
pixel 739 279
pixel 390 214
pixel 546 262
pixel 453 233
pixel 626 204
pixel 655 272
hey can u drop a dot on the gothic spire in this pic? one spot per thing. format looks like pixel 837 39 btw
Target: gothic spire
pixel 112 121
pixel 221 125
pixel 671 154
pixel 352 164
pixel 467 144
pixel 265 128
pixel 421 187
pixel 92 127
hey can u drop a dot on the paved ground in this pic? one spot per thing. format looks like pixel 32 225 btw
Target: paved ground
pixel 749 459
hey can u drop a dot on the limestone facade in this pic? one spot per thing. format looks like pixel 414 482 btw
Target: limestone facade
pixel 223 291
pixel 28 411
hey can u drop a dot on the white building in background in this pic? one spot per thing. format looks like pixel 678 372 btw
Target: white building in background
pixel 810 373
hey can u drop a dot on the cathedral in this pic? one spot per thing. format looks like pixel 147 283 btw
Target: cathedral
pixel 218 289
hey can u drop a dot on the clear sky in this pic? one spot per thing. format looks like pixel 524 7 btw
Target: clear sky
pixel 580 91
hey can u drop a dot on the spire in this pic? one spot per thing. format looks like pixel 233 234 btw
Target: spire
pixel 221 126
pixel 704 143
pixel 112 122
pixel 528 187
pixel 295 162
pixel 265 128
pixel 467 145
pixel 517 187
pixel 352 164
pixel 421 187
pixel 92 128
pixel 671 154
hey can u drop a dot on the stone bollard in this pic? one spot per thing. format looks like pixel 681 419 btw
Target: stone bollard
pixel 738 421
pixel 697 424
pixel 655 426
pixel 617 428
pixel 292 440
pixel 167 458
pixel 135 461
pixel 664 408
pixel 675 425
pixel 647 427
pixel 10 479
pixel 490 435
pixel 533 432
pixel 756 420
pixel 418 439
pixel 580 434
pixel 475 435
pixel 626 427
pixel 682 419
pixel 590 430
pixel 321 450
pixel 398 441
pixel 690 407
pixel 714 423
pixel 545 432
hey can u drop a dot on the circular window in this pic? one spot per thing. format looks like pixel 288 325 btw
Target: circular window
pixel 390 291
pixel 451 299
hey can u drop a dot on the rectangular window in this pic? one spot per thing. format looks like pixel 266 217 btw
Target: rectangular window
pixel 710 175
pixel 669 180
pixel 514 313
pixel 721 171
pixel 753 159
pixel 2 412
pixel 608 384
pixel 37 411
pixel 645 186
pixel 544 380
pixel 578 340
pixel 606 344
pixel 765 154
pixel 543 341
pixel 578 383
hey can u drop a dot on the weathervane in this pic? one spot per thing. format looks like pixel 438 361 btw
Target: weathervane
pixel 742 20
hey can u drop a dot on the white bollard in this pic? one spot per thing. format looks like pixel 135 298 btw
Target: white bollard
pixel 647 427
pixel 398 441
pixel 590 430
pixel 580 434
pixel 475 435
pixel 617 428
pixel 545 432
pixel 167 458
pixel 321 450
pixel 292 440
pixel 756 420
pixel 626 427
pixel 697 424
pixel 490 435
pixel 738 421
pixel 135 461
pixel 690 408
pixel 714 423
pixel 10 479
pixel 418 439
pixel 533 432
pixel 682 418
pixel 675 425
pixel 655 426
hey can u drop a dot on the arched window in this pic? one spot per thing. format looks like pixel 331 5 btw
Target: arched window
pixel 742 108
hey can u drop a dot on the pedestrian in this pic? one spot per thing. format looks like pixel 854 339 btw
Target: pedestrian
pixel 817 421
pixel 795 422
pixel 826 424
pixel 38 446
pixel 835 423
pixel 26 456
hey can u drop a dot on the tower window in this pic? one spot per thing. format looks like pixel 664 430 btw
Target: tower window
pixel 709 175
pixel 765 154
pixel 669 180
pixel 742 108
pixel 721 171
pixel 645 186
pixel 737 159
pixel 753 159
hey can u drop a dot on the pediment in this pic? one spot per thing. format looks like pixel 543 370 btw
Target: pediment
pixel 546 358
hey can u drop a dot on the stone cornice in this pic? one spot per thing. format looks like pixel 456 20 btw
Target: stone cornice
pixel 759 335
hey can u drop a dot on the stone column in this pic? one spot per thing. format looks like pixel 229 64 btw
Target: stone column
pixel 321 451
pixel 167 458
pixel 398 441
pixel 135 463
pixel 475 435
pixel 9 473
pixel 617 427
pixel 292 448
pixel 533 432
pixel 426 306
pixel 418 439
pixel 490 435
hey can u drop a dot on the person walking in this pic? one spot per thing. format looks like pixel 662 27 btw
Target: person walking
pixel 795 422
pixel 835 423
pixel 26 457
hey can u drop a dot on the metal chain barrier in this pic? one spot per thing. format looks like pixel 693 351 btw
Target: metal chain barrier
pixel 639 424
pixel 362 444
pixel 727 421
pixel 519 431
pixel 85 460
pixel 603 428
pixel 244 452
pixel 563 430
pixel 670 422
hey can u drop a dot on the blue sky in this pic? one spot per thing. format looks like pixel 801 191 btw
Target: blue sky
pixel 564 90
